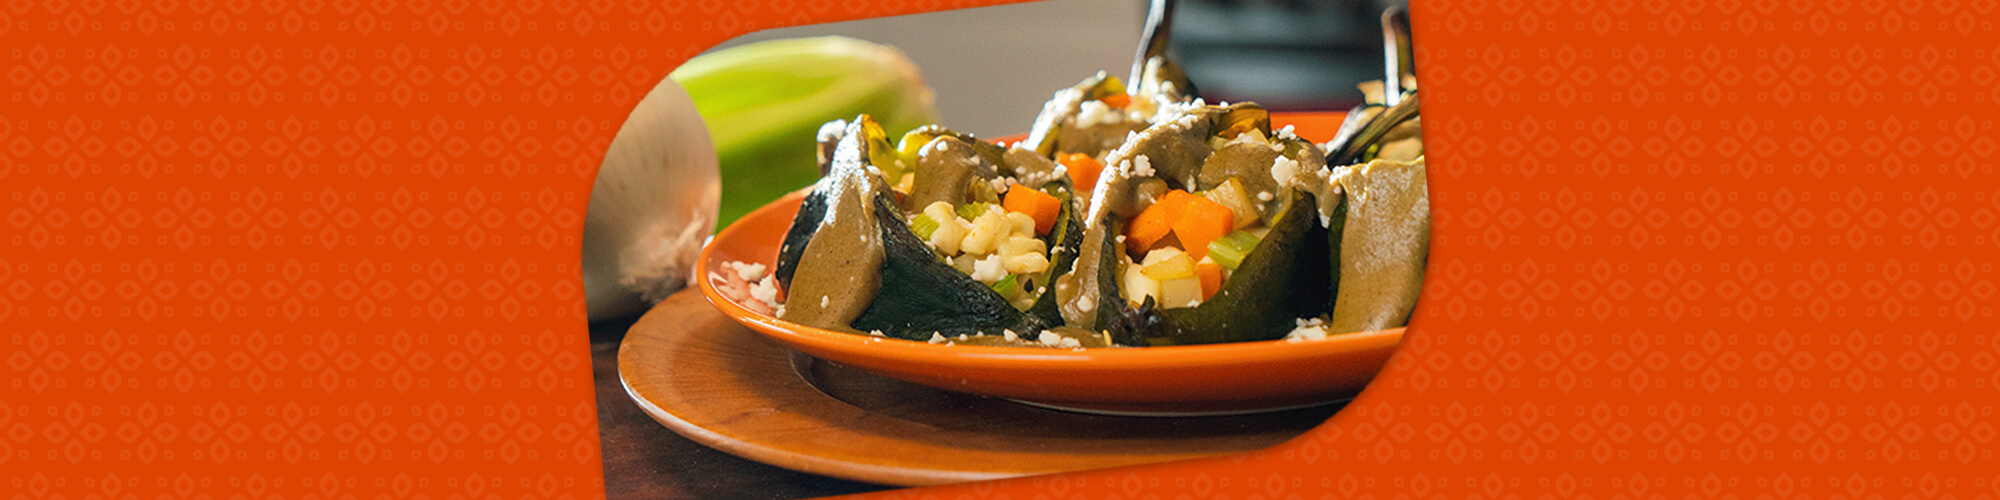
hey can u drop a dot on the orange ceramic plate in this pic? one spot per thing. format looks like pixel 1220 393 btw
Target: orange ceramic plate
pixel 1203 379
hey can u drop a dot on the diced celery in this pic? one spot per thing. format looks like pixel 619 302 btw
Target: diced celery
pixel 1231 194
pixel 1229 250
pixel 923 225
pixel 971 211
pixel 1007 286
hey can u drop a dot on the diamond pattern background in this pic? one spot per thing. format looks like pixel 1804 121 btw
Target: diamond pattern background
pixel 1695 250
pixel 313 250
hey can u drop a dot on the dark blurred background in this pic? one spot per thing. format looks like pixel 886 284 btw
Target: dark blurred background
pixel 992 67
pixel 1284 54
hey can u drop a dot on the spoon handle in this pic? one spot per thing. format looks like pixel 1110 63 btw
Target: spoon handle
pixel 1398 58
pixel 1159 21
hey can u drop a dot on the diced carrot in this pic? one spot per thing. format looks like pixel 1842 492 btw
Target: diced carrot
pixel 1083 170
pixel 1202 220
pixel 1157 220
pixel 1211 278
pixel 1119 101
pixel 1036 204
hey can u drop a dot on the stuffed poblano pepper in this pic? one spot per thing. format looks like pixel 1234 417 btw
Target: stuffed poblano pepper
pixel 1191 239
pixel 1210 227
pixel 944 237
pixel 1374 198
pixel 1378 174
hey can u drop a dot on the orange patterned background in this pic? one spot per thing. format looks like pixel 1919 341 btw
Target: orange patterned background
pixel 1683 250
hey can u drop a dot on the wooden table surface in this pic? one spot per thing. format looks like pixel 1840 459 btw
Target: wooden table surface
pixel 642 459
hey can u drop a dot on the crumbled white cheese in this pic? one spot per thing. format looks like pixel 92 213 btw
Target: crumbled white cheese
pixel 1094 112
pixel 1287 133
pixel 824 300
pixel 1284 169
pixel 1143 167
pixel 766 291
pixel 1307 330
pixel 1264 196
pixel 1000 184
pixel 1058 341
pixel 875 333
pixel 831 131
pixel 1010 335
pixel 990 269
pixel 936 338
pixel 749 272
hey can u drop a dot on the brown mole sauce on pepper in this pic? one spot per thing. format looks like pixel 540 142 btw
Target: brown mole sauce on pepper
pixel 1174 150
pixel 840 271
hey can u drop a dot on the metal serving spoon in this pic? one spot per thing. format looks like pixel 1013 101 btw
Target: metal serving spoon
pixel 1153 47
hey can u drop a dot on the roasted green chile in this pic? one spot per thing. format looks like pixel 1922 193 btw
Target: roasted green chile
pixel 850 261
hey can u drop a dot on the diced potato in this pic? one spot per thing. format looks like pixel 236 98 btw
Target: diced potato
pixel 1160 254
pixel 963 263
pixel 1137 286
pixel 1180 292
pixel 1231 194
pixel 1168 263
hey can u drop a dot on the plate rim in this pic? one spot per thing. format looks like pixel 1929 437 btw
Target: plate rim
pixel 650 383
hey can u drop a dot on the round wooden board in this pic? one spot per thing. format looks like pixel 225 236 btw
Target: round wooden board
pixel 710 379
